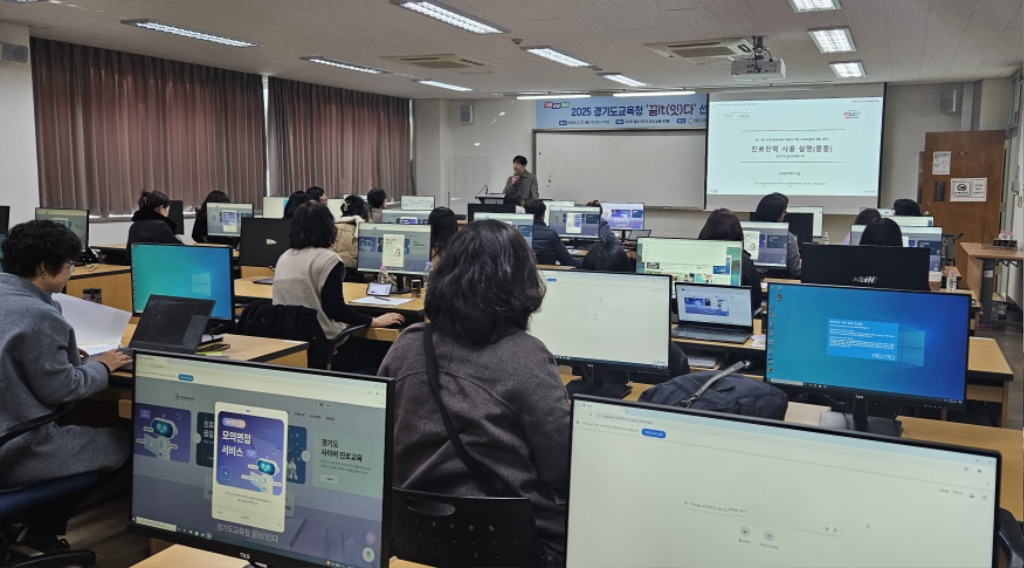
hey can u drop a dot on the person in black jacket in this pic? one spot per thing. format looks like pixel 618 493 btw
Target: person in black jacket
pixel 882 232
pixel 723 225
pixel 547 245
pixel 200 228
pixel 150 223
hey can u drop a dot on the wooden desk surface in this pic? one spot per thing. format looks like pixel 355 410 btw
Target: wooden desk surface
pixel 246 288
pixel 94 270
pixel 178 556
pixel 977 250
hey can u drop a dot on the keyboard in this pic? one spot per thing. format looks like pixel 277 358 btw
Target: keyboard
pixel 711 334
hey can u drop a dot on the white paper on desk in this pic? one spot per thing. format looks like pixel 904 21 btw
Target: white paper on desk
pixel 98 328
pixel 374 301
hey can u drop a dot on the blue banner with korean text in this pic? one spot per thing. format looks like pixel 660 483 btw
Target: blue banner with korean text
pixel 621 113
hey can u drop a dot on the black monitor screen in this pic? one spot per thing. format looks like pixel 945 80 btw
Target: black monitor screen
pixel 177 214
pixel 5 219
pixel 868 266
pixel 263 241
pixel 182 271
pixel 75 219
pixel 274 464
pixel 891 343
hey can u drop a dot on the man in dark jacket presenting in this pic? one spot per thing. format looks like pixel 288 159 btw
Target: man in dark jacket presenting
pixel 522 181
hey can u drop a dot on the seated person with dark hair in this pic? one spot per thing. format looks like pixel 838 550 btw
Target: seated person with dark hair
pixel 604 230
pixel 378 201
pixel 723 225
pixel 906 208
pixel 354 211
pixel 500 384
pixel 443 226
pixel 611 257
pixel 310 274
pixel 295 200
pixel 41 368
pixel 547 245
pixel 317 193
pixel 772 209
pixel 201 227
pixel 865 217
pixel 150 223
pixel 882 232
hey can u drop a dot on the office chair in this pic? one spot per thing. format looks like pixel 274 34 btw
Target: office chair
pixel 447 530
pixel 17 502
pixel 548 258
pixel 264 319
pixel 1011 539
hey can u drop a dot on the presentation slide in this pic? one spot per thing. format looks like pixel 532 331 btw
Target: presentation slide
pixel 816 151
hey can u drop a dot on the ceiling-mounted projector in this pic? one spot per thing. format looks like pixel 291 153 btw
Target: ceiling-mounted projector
pixel 758 70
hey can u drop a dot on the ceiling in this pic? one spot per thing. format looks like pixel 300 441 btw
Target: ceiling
pixel 899 41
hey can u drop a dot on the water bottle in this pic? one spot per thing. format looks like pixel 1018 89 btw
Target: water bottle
pixel 951 279
pixel 426 273
pixel 824 238
pixel 382 276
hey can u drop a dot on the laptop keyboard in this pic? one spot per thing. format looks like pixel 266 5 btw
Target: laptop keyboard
pixel 711 334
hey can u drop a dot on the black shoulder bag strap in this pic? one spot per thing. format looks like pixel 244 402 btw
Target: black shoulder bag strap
pixel 435 387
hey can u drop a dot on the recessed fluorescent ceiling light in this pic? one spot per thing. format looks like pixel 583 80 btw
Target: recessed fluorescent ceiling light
pixel 654 94
pixel 448 86
pixel 26 1
pixel 186 32
pixel 542 97
pixel 451 16
pixel 557 56
pixel 814 5
pixel 847 69
pixel 833 40
pixel 620 78
pixel 343 65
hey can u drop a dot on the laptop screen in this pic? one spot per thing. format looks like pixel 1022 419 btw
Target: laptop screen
pixel 723 305
pixel 172 324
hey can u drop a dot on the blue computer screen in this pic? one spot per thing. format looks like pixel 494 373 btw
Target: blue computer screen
pixel 870 341
pixel 183 272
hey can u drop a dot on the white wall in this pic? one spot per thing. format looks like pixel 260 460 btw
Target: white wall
pixel 19 181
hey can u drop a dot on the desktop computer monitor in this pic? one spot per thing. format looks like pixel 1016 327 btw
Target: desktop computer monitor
pixel 403 217
pixel 914 237
pixel 177 214
pixel 818 217
pixel 689 260
pixel 801 225
pixel 182 271
pixel 623 215
pixel 549 203
pixel 273 207
pixel 580 311
pixel 75 219
pixel 225 219
pixel 669 487
pixel 402 249
pixel 868 343
pixel 874 267
pixel 334 206
pixel 767 243
pixel 417 202
pixel 473 208
pixel 263 241
pixel 277 465
pixel 523 222
pixel 5 219
pixel 883 211
pixel 2 237
pixel 574 222
pixel 904 221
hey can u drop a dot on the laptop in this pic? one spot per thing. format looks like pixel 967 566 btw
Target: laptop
pixel 634 234
pixel 171 324
pixel 711 312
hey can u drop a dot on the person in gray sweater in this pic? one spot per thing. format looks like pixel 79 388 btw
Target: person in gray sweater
pixel 500 384
pixel 41 368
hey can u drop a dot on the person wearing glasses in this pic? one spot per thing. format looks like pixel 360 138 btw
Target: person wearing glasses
pixel 150 223
pixel 772 209
pixel 41 368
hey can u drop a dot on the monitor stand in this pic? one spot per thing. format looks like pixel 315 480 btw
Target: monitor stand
pixel 591 382
pixel 860 421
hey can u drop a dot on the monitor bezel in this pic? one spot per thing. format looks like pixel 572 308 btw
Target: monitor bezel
pixel 85 241
pixel 230 268
pixel 5 219
pixel 618 365
pixel 829 253
pixel 402 272
pixel 764 422
pixel 252 213
pixel 580 237
pixel 253 555
pixel 177 213
pixel 864 394
pixel 243 260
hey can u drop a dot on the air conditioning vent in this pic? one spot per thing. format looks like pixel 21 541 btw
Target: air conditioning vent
pixel 704 51
pixel 448 61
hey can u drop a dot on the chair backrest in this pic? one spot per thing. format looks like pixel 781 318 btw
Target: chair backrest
pixel 263 319
pixel 446 530
pixel 548 258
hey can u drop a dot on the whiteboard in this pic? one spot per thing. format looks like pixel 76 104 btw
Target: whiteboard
pixel 658 168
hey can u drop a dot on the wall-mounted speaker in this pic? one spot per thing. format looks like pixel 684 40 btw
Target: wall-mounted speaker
pixel 13 52
pixel 466 114
pixel 947 101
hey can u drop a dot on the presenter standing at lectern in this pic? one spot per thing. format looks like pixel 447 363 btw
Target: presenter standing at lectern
pixel 522 182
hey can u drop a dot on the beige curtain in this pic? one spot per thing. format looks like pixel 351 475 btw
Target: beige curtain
pixel 343 141
pixel 110 124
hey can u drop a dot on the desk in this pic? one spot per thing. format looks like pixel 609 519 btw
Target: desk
pixel 114 282
pixel 246 289
pixel 178 556
pixel 981 262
